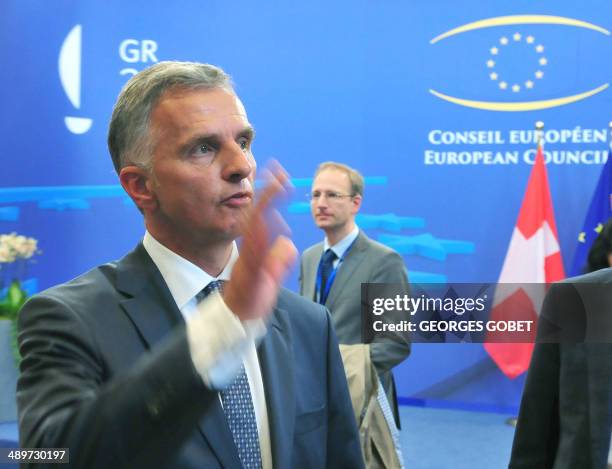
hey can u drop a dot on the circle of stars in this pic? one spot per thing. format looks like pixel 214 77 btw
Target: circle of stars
pixel 495 51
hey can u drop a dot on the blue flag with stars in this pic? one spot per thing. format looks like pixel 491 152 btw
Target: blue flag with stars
pixel 597 216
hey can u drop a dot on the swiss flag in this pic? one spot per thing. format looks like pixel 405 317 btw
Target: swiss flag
pixel 533 257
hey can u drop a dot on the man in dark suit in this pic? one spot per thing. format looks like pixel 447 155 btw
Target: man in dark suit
pixel 565 419
pixel 336 196
pixel 143 362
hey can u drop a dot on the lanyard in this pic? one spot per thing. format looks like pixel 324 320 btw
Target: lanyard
pixel 332 276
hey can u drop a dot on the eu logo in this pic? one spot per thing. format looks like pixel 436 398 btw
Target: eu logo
pixel 516 63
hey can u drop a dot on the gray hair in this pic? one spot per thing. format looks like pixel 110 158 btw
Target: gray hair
pixel 355 177
pixel 129 141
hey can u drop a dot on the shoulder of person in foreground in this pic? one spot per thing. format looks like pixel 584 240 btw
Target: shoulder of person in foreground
pixel 576 309
pixel 301 311
pixel 87 290
pixel 85 380
pixel 598 276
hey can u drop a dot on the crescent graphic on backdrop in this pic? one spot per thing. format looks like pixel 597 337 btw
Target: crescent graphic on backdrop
pixel 69 66
pixel 519 106
pixel 514 106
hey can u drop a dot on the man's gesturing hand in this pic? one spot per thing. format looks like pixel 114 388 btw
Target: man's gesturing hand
pixel 265 255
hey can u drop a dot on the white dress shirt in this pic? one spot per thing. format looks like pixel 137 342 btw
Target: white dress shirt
pixel 218 341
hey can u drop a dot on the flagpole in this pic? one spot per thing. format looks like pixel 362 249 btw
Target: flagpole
pixel 539 126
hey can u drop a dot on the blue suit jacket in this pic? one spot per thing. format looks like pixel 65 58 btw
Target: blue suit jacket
pixel 106 372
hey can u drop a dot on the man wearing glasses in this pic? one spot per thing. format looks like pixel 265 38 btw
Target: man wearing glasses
pixel 331 272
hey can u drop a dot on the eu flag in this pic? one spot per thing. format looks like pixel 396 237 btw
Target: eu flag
pixel 597 216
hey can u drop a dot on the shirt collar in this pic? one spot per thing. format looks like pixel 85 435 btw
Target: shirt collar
pixel 184 279
pixel 341 246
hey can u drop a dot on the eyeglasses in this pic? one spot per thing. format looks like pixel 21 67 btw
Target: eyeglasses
pixel 329 195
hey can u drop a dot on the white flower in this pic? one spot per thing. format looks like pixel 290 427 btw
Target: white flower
pixel 30 247
pixel 19 245
pixel 14 246
pixel 6 253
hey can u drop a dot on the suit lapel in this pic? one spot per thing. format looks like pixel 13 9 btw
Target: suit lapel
pixel 216 431
pixel 149 303
pixel 350 263
pixel 154 314
pixel 276 362
pixel 311 266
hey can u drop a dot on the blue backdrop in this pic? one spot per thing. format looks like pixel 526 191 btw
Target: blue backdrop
pixel 434 101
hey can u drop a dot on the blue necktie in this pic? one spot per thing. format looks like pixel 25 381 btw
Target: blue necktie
pixel 208 289
pixel 327 266
pixel 238 407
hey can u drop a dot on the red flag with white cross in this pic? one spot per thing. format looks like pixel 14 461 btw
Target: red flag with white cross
pixel 533 259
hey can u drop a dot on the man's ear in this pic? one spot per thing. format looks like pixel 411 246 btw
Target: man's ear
pixel 356 204
pixel 137 183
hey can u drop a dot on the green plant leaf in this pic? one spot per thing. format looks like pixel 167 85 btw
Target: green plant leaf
pixel 15 345
pixel 13 301
pixel 5 309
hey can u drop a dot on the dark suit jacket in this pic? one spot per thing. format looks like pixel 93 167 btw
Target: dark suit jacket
pixel 367 262
pixel 106 372
pixel 565 418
